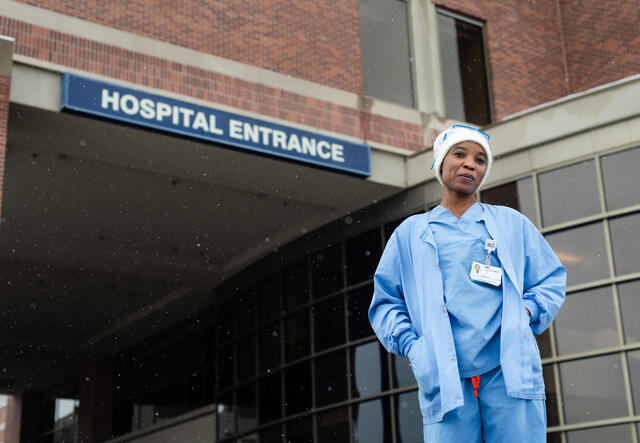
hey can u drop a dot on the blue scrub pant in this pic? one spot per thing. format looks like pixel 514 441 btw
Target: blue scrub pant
pixel 491 417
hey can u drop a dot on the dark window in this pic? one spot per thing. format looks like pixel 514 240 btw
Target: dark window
pixel 362 253
pixel 368 369
pixel 586 321
pixel 300 430
pixel 551 404
pixel 297 381
pixel 408 418
pixel 629 294
pixel 569 193
pixel 270 395
pixel 297 336
pixel 246 311
pixel 225 320
pixel 625 239
pixel 402 372
pixel 225 367
pixel 619 434
pixel 620 176
pixel 295 285
pixel 464 69
pixel 246 355
pixel 327 269
pixel 358 301
pixel 517 195
pixel 582 251
pixel 331 378
pixel 328 323
pixel 544 344
pixel 384 40
pixel 269 347
pixel 246 412
pixel 226 416
pixel 593 389
pixel 371 422
pixel 268 299
pixel 333 426
pixel 634 371
pixel 272 434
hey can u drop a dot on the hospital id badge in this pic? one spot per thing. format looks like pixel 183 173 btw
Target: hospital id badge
pixel 486 273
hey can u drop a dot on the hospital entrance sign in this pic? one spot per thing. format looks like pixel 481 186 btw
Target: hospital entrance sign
pixel 114 102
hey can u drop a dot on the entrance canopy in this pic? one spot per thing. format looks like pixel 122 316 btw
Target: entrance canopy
pixel 112 232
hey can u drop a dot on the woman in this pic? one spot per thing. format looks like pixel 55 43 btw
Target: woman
pixel 459 291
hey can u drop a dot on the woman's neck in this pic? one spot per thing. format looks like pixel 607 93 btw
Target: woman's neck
pixel 457 204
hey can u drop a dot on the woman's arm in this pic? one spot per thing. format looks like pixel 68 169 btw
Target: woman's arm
pixel 544 279
pixel 388 312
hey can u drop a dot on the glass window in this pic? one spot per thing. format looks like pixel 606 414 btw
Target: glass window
pixel 569 193
pixel 297 343
pixel 246 410
pixel 225 320
pixel 300 430
pixel 629 294
pixel 295 285
pixel 402 372
pixel 464 70
pixel 333 426
pixel 544 343
pixel 593 389
pixel 297 381
pixel 634 372
pixel 269 347
pixel 621 178
pixel 618 434
pixel 270 398
pixel 384 40
pixel 368 369
pixel 272 434
pixel 225 367
pixel 331 378
pixel 246 311
pixel 586 321
pixel 625 239
pixel 246 355
pixel 371 422
pixel 268 299
pixel 326 268
pixel 358 301
pixel 552 398
pixel 362 254
pixel 226 418
pixel 517 195
pixel 328 323
pixel 390 227
pixel 408 418
pixel 582 251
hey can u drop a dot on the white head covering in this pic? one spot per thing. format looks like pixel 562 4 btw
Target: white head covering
pixel 454 135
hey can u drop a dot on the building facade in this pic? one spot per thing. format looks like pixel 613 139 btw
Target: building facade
pixel 194 199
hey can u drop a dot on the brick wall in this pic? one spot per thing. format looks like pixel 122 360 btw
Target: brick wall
pixel 314 40
pixel 525 51
pixel 5 86
pixel 602 40
pixel 87 55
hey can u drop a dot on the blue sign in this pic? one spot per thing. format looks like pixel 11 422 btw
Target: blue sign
pixel 166 114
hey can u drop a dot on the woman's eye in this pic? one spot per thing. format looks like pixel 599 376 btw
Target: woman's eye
pixel 481 161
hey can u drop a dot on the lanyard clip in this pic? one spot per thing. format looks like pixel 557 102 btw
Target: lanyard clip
pixel 490 246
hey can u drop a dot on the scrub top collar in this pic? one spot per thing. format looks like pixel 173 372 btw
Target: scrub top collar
pixel 475 213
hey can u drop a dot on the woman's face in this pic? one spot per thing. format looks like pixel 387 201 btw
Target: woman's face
pixel 464 167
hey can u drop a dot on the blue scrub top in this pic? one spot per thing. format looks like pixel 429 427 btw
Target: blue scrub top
pixel 475 308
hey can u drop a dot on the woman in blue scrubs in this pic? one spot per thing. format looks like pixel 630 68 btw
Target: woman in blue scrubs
pixel 460 291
